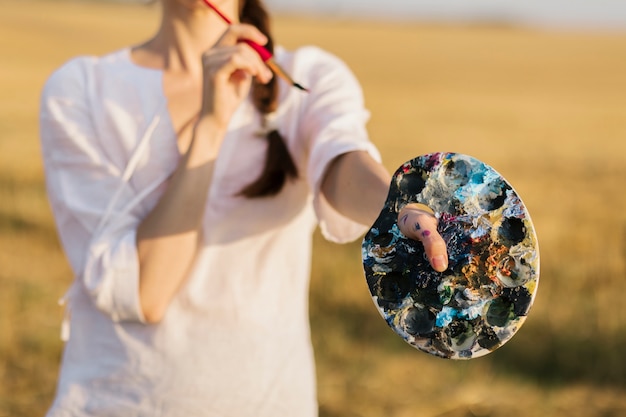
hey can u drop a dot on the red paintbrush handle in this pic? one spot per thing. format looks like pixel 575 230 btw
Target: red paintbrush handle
pixel 263 53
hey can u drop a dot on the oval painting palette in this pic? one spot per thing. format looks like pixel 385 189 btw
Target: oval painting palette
pixel 484 296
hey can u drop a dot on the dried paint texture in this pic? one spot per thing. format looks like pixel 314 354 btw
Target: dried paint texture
pixel 484 296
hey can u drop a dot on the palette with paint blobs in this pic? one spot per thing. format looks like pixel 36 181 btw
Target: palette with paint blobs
pixel 484 296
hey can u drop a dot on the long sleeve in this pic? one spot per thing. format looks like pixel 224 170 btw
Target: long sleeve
pixel 333 123
pixel 82 182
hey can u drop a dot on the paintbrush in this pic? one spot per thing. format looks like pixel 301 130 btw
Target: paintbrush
pixel 265 55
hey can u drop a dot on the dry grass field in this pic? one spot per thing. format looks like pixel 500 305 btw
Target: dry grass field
pixel 545 109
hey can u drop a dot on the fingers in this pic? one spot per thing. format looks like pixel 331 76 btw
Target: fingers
pixel 235 52
pixel 228 68
pixel 233 63
pixel 418 222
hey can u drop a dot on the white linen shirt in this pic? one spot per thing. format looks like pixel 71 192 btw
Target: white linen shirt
pixel 235 340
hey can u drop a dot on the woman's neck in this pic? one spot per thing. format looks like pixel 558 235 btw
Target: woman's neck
pixel 188 29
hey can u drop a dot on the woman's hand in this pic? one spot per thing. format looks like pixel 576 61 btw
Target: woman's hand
pixel 228 70
pixel 417 221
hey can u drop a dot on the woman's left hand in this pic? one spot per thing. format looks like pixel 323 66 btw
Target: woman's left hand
pixel 418 222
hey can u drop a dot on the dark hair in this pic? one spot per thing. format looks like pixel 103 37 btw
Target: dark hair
pixel 279 166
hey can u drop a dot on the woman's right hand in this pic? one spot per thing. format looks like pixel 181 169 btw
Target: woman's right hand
pixel 228 70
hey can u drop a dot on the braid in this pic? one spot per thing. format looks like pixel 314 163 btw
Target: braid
pixel 279 166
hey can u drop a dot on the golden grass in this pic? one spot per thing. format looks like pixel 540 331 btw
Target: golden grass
pixel 546 109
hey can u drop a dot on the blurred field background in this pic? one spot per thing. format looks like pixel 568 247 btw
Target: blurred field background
pixel 547 109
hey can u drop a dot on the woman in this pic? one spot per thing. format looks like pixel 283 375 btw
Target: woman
pixel 185 185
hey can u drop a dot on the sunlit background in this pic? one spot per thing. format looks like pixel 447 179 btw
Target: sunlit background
pixel 536 89
pixel 573 14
